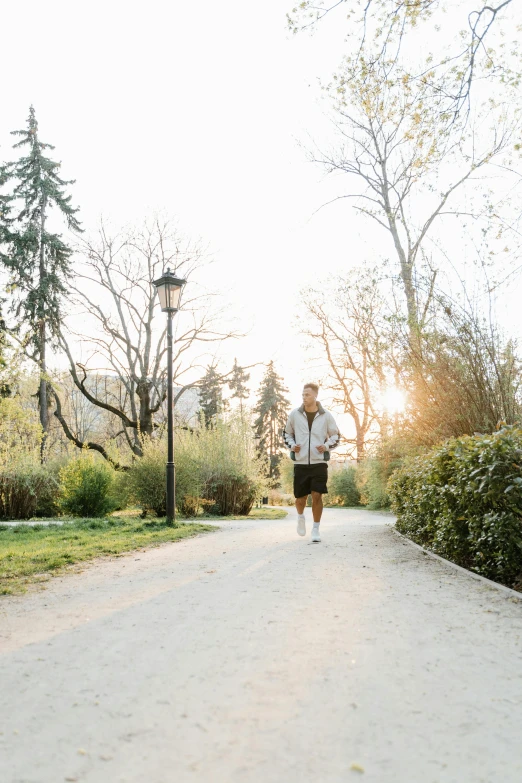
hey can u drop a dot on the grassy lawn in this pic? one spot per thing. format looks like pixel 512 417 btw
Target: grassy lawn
pixel 33 553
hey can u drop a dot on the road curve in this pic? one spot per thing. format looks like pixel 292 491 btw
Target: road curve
pixel 250 655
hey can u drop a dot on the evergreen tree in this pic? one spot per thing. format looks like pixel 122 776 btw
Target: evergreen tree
pixel 38 259
pixel 211 395
pixel 272 411
pixel 237 384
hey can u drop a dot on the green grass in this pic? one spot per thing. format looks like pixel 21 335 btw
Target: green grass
pixel 33 553
pixel 30 554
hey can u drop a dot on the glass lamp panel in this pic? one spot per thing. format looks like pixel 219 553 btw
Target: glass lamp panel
pixel 174 295
pixel 162 293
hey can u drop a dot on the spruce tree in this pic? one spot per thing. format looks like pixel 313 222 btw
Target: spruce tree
pixel 211 395
pixel 38 260
pixel 238 384
pixel 272 411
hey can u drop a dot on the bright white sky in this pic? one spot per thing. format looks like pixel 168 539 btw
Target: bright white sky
pixel 195 108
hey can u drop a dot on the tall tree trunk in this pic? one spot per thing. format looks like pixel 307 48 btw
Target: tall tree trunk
pixel 42 397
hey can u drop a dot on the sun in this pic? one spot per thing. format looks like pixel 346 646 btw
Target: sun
pixel 394 400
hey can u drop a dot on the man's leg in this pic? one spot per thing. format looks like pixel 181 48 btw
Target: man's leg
pixel 317 506
pixel 300 504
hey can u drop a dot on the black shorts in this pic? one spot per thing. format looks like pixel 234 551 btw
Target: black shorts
pixel 310 478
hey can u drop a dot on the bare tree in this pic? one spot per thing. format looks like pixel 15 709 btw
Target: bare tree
pixel 349 322
pixel 404 161
pixel 121 337
pixel 463 377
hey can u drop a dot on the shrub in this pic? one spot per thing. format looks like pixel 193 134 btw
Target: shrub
pixel 85 487
pixel 216 469
pixel 374 472
pixel 146 480
pixel 464 501
pixel 230 493
pixel 224 457
pixel 22 487
pixel 278 498
pixel 286 468
pixel 342 487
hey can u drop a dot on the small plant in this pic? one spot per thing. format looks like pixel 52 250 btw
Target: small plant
pixel 146 480
pixel 85 487
pixel 23 487
pixel 342 487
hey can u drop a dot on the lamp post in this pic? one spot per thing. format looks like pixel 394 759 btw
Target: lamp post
pixel 169 291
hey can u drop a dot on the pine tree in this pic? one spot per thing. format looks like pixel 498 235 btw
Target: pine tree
pixel 211 395
pixel 38 260
pixel 237 384
pixel 272 411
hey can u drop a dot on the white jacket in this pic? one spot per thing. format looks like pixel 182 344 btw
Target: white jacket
pixel 324 432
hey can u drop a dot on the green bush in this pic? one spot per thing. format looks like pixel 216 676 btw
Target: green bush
pixel 85 487
pixel 374 472
pixel 216 470
pixel 49 499
pixel 230 473
pixel 463 500
pixel 23 487
pixel 342 487
pixel 146 480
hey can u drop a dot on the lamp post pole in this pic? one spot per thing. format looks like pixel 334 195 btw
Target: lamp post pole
pixel 169 291
pixel 171 473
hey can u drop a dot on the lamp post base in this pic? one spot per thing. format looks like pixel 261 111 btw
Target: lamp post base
pixel 171 495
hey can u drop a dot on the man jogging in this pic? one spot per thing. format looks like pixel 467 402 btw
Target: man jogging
pixel 310 434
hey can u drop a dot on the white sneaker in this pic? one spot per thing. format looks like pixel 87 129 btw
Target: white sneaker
pixel 301 525
pixel 316 536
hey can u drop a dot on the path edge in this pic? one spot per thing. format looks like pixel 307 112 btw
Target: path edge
pixel 508 591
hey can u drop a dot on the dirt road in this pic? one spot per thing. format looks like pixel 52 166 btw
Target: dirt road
pixel 250 655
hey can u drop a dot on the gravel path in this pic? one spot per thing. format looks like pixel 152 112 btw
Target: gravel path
pixel 250 655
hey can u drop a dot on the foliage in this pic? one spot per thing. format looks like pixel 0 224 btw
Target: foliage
pixel 86 483
pixel 23 486
pixel 463 500
pixel 50 494
pixel 286 475
pixel 229 470
pixel 38 260
pixel 146 479
pixel 342 487
pixel 20 431
pixel 26 488
pixel 278 498
pixel 374 472
pixel 271 410
pixel 471 45
pixel 211 396
pixel 238 384
pixel 32 553
pixel 463 377
pixel 34 252
pixel 216 470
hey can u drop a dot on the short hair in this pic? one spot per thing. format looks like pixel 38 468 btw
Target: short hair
pixel 313 386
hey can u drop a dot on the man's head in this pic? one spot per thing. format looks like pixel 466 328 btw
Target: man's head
pixel 310 392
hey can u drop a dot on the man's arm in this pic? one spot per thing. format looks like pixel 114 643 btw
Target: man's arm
pixel 289 435
pixel 333 434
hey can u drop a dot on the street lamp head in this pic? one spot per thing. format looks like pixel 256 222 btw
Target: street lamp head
pixel 169 290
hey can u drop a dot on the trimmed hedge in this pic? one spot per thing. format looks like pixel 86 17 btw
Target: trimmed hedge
pixel 463 500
